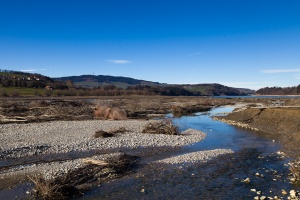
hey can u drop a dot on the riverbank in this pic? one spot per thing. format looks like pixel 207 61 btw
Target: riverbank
pixel 277 123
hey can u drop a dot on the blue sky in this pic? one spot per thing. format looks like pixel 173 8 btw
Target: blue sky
pixel 239 43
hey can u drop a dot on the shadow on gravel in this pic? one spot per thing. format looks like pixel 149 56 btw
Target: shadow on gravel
pixel 77 181
pixel 220 178
pixel 159 152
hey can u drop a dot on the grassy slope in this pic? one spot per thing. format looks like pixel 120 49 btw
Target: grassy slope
pixel 22 91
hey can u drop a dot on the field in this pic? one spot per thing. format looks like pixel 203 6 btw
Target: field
pixel 20 91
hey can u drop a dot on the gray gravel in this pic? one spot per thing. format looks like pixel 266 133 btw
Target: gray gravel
pixel 19 140
pixel 194 157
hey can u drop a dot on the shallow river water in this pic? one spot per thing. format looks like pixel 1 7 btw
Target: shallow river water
pixel 222 135
pixel 255 158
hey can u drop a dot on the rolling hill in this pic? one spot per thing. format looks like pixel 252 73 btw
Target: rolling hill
pixel 108 85
pixel 213 89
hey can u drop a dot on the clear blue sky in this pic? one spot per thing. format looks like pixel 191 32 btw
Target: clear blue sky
pixel 239 43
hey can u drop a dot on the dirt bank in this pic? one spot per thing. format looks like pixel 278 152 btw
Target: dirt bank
pixel 280 123
pixel 275 121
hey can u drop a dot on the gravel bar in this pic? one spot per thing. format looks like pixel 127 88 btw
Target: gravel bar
pixel 20 140
pixel 17 140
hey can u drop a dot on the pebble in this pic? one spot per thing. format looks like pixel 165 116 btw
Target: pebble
pixel 247 180
pixel 283 192
pixel 292 194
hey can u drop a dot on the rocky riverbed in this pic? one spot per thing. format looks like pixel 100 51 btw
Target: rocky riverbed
pixel 54 148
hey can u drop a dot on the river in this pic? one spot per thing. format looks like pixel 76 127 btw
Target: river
pixel 255 158
pixel 222 135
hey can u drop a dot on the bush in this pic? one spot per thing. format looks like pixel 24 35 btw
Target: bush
pixel 3 93
pixel 59 93
pixel 15 93
pixel 48 93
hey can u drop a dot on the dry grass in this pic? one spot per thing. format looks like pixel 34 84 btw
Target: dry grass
pixel 104 134
pixel 163 127
pixel 79 180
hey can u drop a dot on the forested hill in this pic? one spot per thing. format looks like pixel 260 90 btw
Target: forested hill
pixel 215 89
pixel 93 80
pixel 279 91
pixel 91 85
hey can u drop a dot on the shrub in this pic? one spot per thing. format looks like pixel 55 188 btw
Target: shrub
pixel 3 93
pixel 15 93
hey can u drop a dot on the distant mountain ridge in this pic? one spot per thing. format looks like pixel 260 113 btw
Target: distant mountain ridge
pixel 100 80
pixel 209 89
pixel 109 85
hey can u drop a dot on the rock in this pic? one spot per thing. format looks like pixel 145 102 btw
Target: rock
pixel 293 194
pixel 258 192
pixel 263 197
pixel 283 192
pixel 293 180
pixel 253 190
pixel 247 180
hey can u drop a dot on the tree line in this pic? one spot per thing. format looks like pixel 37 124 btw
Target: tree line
pixel 279 91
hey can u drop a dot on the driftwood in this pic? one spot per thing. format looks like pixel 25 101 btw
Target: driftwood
pixel 95 162
pixel 76 181
pixel 162 127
